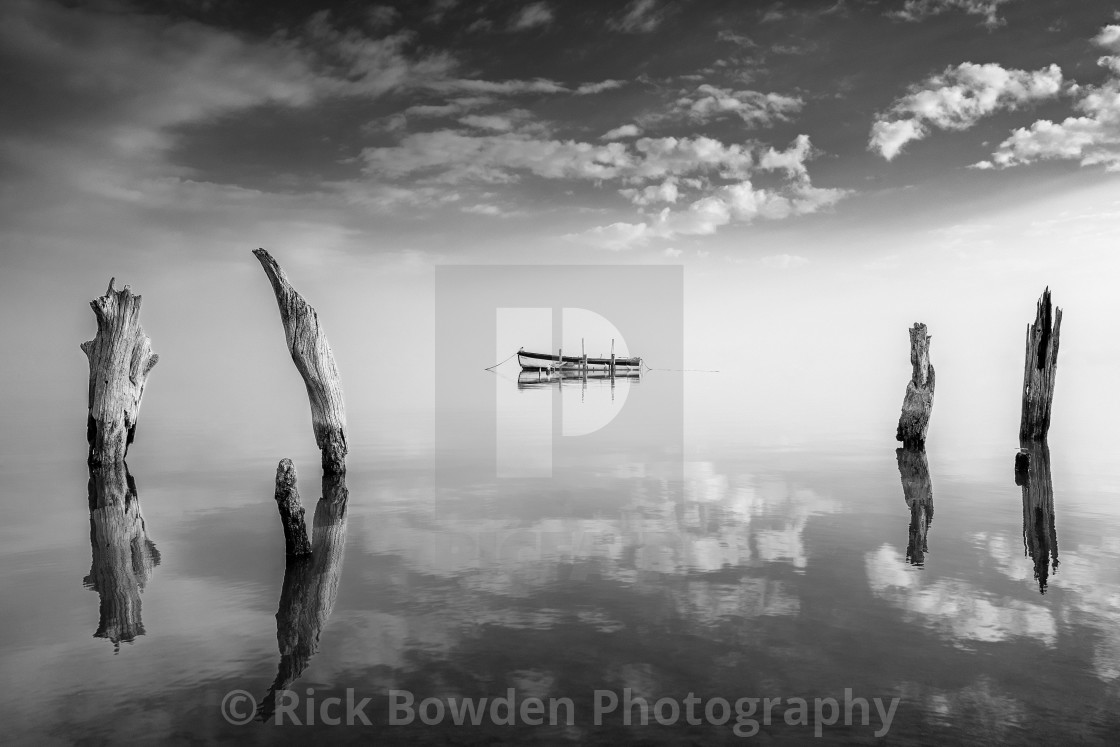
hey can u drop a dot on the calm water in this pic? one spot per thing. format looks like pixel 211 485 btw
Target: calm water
pixel 739 567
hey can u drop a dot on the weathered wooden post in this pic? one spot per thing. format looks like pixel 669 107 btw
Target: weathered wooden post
pixel 1040 538
pixel 917 406
pixel 612 359
pixel 1040 370
pixel 917 489
pixel 315 362
pixel 120 359
pixel 291 510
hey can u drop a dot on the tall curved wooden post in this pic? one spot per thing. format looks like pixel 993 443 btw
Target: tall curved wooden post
pixel 917 406
pixel 1040 370
pixel 120 359
pixel 314 360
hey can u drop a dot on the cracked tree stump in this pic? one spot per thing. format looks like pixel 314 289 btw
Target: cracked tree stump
pixel 315 362
pixel 120 359
pixel 291 510
pixel 917 406
pixel 1040 370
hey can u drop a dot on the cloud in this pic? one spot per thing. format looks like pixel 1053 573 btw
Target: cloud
pixel 956 99
pixel 603 85
pixel 671 252
pixel 753 107
pixel 1092 138
pixel 666 191
pixel 740 201
pixel 784 261
pixel 624 131
pixel 641 17
pixel 531 16
pixel 496 122
pixel 917 10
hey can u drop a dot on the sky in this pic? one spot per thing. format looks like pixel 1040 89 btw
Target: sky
pixel 826 172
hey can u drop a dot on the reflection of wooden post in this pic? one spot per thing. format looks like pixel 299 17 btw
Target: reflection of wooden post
pixel 612 360
pixel 1040 538
pixel 314 360
pixel 120 359
pixel 917 488
pixel 918 402
pixel 1040 370
pixel 310 590
pixel 583 355
pixel 123 556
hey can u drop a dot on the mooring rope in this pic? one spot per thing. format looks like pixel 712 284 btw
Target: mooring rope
pixel 491 368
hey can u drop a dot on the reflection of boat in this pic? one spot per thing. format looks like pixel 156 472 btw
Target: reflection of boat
pixel 544 378
pixel 547 361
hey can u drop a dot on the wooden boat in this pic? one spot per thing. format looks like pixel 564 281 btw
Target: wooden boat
pixel 548 362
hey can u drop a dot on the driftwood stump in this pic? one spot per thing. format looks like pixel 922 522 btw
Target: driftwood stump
pixel 291 510
pixel 1040 538
pixel 310 590
pixel 917 489
pixel 120 359
pixel 123 556
pixel 917 406
pixel 1040 370
pixel 315 362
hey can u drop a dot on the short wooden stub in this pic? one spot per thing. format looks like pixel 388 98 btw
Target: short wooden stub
pixel 291 510
pixel 917 406
pixel 314 360
pixel 120 359
pixel 1040 369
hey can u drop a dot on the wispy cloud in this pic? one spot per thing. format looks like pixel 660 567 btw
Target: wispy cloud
pixel 784 261
pixel 958 98
pixel 916 10
pixel 531 16
pixel 1093 138
pixel 753 107
pixel 640 17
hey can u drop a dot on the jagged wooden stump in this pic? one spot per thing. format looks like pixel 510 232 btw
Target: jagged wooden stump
pixel 120 359
pixel 917 406
pixel 315 362
pixel 1040 370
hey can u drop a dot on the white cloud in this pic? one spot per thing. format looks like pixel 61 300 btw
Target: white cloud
pixel 753 107
pixel 958 98
pixel 671 252
pixel 531 16
pixel 627 130
pixel 603 85
pixel 615 237
pixel 641 17
pixel 666 191
pixel 916 10
pixel 1092 138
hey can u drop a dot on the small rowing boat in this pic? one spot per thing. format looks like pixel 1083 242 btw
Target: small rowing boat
pixel 548 362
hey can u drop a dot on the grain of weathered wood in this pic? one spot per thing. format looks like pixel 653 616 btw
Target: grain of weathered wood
pixel 917 405
pixel 314 360
pixel 1040 369
pixel 291 510
pixel 120 359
